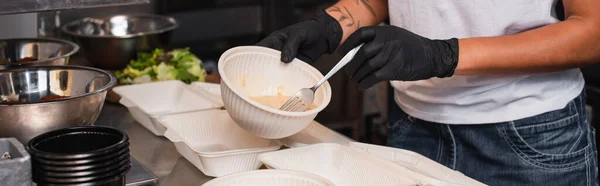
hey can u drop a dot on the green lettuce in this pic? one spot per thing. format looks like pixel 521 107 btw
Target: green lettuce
pixel 158 65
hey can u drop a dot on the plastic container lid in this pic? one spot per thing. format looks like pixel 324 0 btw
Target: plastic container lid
pixel 270 178
pixel 342 165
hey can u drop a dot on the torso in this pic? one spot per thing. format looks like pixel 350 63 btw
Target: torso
pixel 480 99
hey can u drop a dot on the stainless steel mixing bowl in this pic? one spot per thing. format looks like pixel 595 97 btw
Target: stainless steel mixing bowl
pixel 29 117
pixel 45 51
pixel 111 42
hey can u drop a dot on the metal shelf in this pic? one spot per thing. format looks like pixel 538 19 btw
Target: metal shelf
pixel 25 6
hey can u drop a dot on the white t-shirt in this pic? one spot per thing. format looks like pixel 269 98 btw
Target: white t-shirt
pixel 483 98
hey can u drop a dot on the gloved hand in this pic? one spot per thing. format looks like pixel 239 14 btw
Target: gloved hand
pixel 306 40
pixel 394 53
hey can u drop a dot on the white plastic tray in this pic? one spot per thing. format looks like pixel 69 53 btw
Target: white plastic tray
pixel 150 101
pixel 313 134
pixel 214 143
pixel 345 166
pixel 270 178
pixel 417 163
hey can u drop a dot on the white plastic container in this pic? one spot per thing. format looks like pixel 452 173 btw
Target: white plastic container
pixel 250 71
pixel 149 101
pixel 344 166
pixel 209 87
pixel 213 143
pixel 270 178
pixel 313 134
pixel 210 90
pixel 417 163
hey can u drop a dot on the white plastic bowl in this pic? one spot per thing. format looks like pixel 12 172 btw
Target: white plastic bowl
pixel 257 71
pixel 270 178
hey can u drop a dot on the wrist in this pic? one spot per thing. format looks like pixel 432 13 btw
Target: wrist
pixel 332 28
pixel 446 52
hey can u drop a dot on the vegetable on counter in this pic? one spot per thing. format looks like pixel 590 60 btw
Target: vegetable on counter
pixel 177 64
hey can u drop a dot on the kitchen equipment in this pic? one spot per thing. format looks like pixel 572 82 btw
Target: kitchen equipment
pixel 80 144
pixel 344 166
pixel 148 102
pixel 250 71
pixel 15 165
pixel 270 178
pixel 417 163
pixel 302 99
pixel 111 42
pixel 86 88
pixel 214 143
pixel 35 51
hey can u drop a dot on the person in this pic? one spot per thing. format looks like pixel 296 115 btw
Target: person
pixel 488 88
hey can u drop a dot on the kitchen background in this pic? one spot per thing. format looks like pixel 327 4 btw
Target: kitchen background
pixel 210 27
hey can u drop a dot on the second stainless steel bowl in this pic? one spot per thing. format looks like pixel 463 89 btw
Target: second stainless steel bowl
pixel 111 42
pixel 39 51
pixel 86 88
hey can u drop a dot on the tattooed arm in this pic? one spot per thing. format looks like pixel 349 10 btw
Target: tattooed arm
pixel 353 14
pixel 310 39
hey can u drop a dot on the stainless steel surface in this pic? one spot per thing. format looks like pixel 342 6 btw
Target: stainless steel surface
pixel 138 175
pixel 22 6
pixel 15 171
pixel 158 154
pixel 303 99
pixel 86 88
pixel 111 42
pixel 46 51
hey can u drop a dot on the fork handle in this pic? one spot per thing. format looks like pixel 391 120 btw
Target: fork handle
pixel 338 66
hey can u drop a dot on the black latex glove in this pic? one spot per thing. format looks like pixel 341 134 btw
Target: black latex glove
pixel 394 53
pixel 306 40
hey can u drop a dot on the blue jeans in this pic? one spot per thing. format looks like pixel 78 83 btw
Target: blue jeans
pixel 554 148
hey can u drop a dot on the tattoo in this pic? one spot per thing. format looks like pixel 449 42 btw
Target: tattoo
pixel 345 15
pixel 351 18
pixel 366 3
pixel 358 24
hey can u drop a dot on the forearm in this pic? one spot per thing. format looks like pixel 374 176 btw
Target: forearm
pixel 572 43
pixel 353 14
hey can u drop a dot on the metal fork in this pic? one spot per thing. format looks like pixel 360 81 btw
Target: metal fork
pixel 302 99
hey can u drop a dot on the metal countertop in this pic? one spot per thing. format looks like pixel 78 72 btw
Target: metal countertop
pixel 156 153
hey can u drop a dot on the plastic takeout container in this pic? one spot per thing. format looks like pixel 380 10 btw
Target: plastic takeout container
pixel 417 163
pixel 214 143
pixel 344 166
pixel 313 134
pixel 149 101
pixel 252 71
pixel 270 178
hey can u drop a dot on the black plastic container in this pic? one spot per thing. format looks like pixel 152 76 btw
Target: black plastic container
pixel 88 161
pixel 77 143
pixel 84 167
pixel 111 178
pixel 80 156
pixel 86 173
